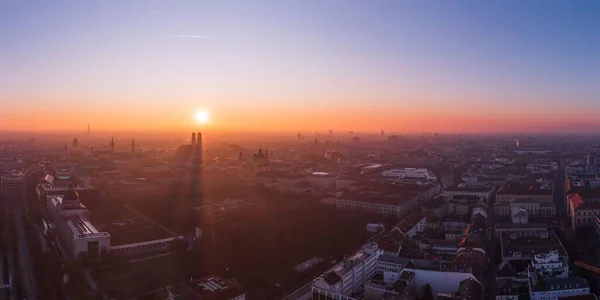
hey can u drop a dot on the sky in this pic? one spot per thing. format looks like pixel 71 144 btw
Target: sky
pixel 455 66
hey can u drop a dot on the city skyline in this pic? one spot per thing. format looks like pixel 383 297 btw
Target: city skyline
pixel 270 66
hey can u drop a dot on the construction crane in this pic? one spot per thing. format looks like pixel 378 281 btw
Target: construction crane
pixel 587 267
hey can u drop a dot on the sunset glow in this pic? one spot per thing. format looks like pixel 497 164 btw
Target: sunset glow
pixel 202 117
pixel 428 67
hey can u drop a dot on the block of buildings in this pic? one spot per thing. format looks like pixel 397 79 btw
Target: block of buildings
pixel 382 202
pixel 13 186
pixel 483 191
pixel 524 245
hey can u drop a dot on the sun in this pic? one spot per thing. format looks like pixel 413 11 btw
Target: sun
pixel 202 117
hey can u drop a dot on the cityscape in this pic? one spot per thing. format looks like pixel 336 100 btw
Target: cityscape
pixel 299 150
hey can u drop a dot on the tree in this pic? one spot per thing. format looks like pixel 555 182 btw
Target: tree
pixel 426 293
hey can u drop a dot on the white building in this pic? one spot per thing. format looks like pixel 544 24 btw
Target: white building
pixel 77 234
pixel 350 275
pixel 425 272
pixel 552 288
pixel 412 173
pixel 548 278
pixel 550 265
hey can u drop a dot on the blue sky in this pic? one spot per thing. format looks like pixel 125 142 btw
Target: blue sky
pixel 440 55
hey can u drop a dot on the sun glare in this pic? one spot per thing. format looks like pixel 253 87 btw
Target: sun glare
pixel 202 117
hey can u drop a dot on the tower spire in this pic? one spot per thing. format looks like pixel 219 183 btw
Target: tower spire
pixel 133 145
pixel 112 144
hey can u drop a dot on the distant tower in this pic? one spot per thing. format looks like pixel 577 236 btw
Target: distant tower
pixel 382 133
pixel 75 143
pixel 193 138
pixel 592 162
pixel 241 157
pixel 89 129
pixel 66 148
pixel 112 144
pixel 132 145
pixel 267 153
pixel 196 193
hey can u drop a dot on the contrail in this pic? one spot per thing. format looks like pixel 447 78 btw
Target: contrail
pixel 193 36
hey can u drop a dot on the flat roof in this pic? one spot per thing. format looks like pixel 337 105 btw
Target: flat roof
pixel 529 243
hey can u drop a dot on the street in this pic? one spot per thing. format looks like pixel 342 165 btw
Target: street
pixel 489 277
pixel 28 282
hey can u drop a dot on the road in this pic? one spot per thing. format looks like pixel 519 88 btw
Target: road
pixel 559 191
pixel 28 282
pixel 489 276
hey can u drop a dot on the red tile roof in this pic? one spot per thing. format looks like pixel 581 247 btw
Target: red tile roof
pixel 575 200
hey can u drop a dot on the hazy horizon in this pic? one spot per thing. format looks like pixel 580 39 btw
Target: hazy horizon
pixel 464 66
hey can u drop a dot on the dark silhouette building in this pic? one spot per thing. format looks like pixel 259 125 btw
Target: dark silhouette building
pixel 112 144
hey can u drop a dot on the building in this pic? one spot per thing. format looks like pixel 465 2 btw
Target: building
pixel 322 180
pixel 463 205
pixel 509 227
pixel 528 192
pixel 543 288
pixel 582 210
pixel 349 276
pixel 589 296
pixel 469 257
pixel 591 163
pixel 454 231
pixel 519 215
pixel 506 289
pixel 438 206
pixel 443 277
pixel 208 288
pixel 402 289
pixel 398 204
pixel 13 186
pixel 411 225
pixel 410 173
pixel 525 245
pixel 483 191
pixel 550 265
pixel 78 235
pixel 532 208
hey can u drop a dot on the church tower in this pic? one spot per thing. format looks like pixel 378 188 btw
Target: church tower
pixel 132 145
pixel 112 144
pixel 196 178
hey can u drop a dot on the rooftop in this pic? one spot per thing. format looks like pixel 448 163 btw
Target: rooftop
pixel 557 284
pixel 506 287
pixel 410 221
pixel 437 201
pixel 580 297
pixel 375 196
pixel 523 189
pixel 462 187
pixel 525 244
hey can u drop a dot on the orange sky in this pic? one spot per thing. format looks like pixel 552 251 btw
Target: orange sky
pixel 303 120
